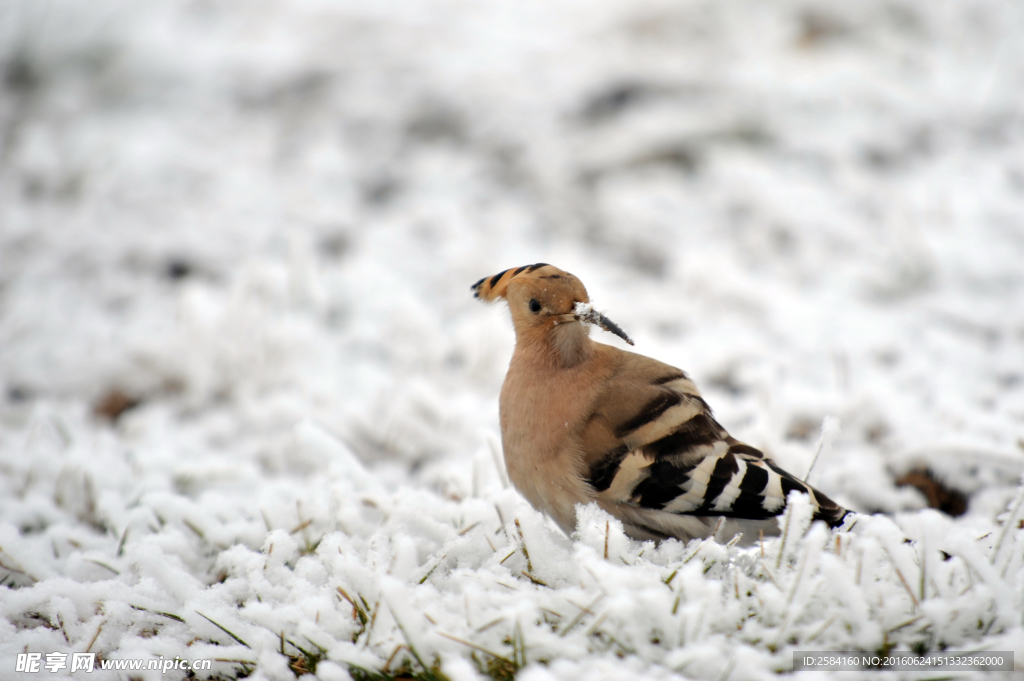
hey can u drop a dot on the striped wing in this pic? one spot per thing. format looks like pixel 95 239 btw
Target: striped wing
pixel 658 448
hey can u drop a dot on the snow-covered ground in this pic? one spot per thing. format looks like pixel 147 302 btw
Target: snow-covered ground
pixel 259 221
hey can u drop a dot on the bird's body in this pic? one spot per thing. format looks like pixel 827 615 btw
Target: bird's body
pixel 583 421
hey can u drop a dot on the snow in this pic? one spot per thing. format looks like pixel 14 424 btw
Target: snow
pixel 260 222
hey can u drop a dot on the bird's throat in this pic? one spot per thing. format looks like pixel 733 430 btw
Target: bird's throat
pixel 570 344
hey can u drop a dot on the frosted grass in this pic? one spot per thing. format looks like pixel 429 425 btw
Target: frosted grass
pixel 364 578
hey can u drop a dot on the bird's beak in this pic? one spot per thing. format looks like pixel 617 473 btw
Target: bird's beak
pixel 583 312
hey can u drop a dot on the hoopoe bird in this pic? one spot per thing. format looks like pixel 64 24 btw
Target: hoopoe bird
pixel 587 422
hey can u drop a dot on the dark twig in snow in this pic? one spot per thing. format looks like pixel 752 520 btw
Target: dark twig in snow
pixel 157 612
pixel 94 637
pixel 431 570
pixel 583 611
pixel 408 641
pixel 102 565
pixel 222 628
pixel 910 592
pixel 474 646
pixel 529 565
pixel 124 537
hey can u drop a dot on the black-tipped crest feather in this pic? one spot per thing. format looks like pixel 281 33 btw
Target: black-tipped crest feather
pixel 493 287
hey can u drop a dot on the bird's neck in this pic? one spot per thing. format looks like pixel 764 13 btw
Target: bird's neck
pixel 562 346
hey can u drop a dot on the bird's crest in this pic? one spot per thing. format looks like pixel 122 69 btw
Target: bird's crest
pixel 490 289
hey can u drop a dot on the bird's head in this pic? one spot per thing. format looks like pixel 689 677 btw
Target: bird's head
pixel 542 297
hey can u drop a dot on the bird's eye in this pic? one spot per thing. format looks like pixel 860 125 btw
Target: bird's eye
pixel 534 306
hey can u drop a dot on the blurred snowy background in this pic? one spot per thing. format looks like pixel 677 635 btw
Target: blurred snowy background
pixel 236 244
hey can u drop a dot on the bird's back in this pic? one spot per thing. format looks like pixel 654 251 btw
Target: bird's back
pixel 656 455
